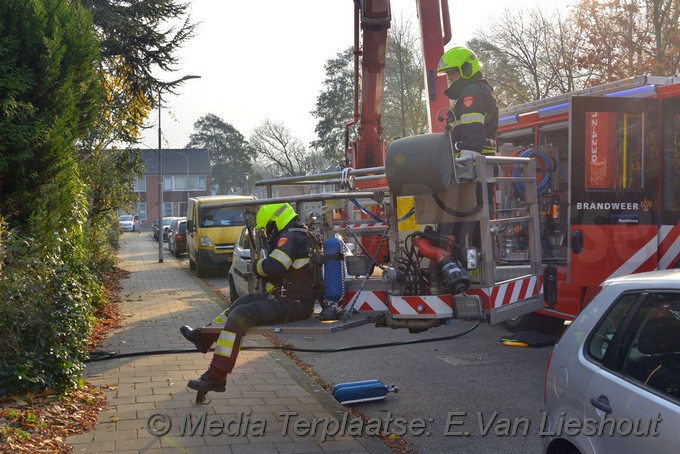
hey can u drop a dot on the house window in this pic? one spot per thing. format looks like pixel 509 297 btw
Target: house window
pixel 167 184
pixel 180 183
pixel 197 182
pixel 140 184
pixel 141 211
pixel 182 207
pixel 167 209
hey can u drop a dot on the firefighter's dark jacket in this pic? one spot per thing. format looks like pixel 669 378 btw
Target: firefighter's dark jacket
pixel 288 265
pixel 474 120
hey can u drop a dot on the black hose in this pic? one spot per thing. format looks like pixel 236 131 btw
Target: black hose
pixel 102 356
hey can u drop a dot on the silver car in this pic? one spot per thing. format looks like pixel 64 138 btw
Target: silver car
pixel 240 267
pixel 613 381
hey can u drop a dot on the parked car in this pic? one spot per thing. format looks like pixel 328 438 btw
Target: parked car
pixel 240 267
pixel 614 375
pixel 212 230
pixel 128 223
pixel 166 227
pixel 154 228
pixel 177 237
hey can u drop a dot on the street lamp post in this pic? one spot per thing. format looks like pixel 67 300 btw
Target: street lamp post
pixel 160 166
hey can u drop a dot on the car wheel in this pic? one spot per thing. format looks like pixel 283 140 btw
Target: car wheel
pixel 233 296
pixel 200 270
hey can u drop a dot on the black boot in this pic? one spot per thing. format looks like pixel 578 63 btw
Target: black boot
pixel 208 382
pixel 202 341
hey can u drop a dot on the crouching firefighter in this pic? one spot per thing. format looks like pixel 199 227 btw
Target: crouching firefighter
pixel 289 295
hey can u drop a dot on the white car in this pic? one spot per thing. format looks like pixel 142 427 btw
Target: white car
pixel 240 267
pixel 613 381
pixel 128 223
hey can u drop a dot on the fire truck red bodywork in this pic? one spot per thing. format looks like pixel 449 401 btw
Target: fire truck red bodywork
pixel 614 152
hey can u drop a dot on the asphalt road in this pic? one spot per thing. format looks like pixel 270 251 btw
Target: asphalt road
pixel 454 386
pixel 466 395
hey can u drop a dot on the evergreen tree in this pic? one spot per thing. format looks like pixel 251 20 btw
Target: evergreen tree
pixel 231 156
pixel 138 39
pixel 335 106
pixel 49 97
pixel 404 111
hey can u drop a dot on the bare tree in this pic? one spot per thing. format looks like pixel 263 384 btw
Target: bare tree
pixel 664 16
pixel 616 39
pixel 533 55
pixel 500 71
pixel 273 143
pixel 626 38
pixel 562 54
pixel 521 36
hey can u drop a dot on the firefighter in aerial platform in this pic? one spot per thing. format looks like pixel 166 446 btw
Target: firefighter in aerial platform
pixel 289 295
pixel 473 120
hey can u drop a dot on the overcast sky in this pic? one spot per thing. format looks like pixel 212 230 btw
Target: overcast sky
pixel 265 59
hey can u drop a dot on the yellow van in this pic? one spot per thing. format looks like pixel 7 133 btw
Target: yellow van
pixel 212 231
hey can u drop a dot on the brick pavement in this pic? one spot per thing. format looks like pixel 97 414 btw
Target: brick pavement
pixel 265 388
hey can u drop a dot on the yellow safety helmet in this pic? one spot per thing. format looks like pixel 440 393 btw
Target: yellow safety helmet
pixel 279 213
pixel 460 59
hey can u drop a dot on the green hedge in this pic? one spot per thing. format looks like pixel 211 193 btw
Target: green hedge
pixel 47 296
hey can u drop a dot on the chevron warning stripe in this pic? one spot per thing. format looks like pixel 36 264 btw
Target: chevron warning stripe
pixel 424 306
pixel 508 292
pixel 367 300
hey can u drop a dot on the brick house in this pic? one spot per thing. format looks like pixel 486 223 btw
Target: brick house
pixel 179 166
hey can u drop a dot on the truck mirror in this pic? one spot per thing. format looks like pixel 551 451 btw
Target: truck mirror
pixel 190 226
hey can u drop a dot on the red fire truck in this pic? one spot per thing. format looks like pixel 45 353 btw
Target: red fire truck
pixel 587 189
pixel 608 172
pixel 416 211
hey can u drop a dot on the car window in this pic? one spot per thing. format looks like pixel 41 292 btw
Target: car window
pixel 652 356
pixel 603 336
pixel 126 218
pixel 221 217
pixel 244 241
pixel 182 227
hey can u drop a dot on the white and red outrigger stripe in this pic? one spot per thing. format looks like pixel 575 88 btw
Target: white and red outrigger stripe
pixel 508 292
pixel 367 301
pixel 425 306
pixel 442 305
pixel 365 225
